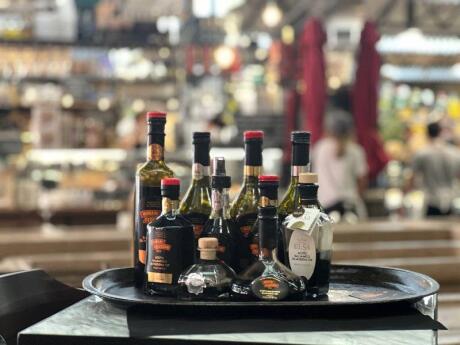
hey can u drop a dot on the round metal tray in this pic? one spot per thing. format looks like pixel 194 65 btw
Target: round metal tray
pixel 349 285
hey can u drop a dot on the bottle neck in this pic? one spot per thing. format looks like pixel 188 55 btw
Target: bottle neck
pixel 208 254
pixel 200 166
pixel 308 195
pixel 220 204
pixel 296 170
pixel 169 206
pixel 155 142
pixel 300 158
pixel 268 237
pixel 265 201
pixel 200 172
pixel 252 159
pixel 251 173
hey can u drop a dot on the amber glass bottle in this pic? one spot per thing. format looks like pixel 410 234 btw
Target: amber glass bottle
pixel 244 208
pixel 147 190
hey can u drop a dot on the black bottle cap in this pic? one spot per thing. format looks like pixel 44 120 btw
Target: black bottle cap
pixel 201 137
pixel 267 212
pixel 219 179
pixel 253 146
pixel 218 166
pixel 268 186
pixel 300 137
pixel 300 148
pixel 170 188
pixel 308 191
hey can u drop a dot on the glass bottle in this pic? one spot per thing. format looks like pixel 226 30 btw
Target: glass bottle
pixel 308 238
pixel 268 196
pixel 147 190
pixel 244 208
pixel 210 278
pixel 196 204
pixel 268 279
pixel 170 243
pixel 220 224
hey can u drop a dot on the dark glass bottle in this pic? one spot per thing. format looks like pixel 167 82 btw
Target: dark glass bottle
pixel 170 243
pixel 210 278
pixel 268 279
pixel 219 224
pixel 308 237
pixel 244 208
pixel 268 196
pixel 147 190
pixel 196 204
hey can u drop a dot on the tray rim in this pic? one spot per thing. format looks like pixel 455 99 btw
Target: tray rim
pixel 434 288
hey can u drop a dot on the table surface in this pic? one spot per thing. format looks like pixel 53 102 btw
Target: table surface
pixel 94 321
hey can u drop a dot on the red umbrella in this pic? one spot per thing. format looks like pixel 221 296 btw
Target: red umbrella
pixel 313 74
pixel 365 99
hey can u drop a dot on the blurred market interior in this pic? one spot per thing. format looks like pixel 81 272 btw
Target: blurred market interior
pixel 77 76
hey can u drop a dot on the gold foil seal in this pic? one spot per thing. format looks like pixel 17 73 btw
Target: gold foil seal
pixel 265 201
pixel 155 277
pixel 250 170
pixel 308 178
pixel 155 152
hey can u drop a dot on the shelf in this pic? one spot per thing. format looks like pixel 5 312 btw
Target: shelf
pixel 90 79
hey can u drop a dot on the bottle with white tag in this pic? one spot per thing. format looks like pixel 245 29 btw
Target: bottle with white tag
pixel 308 236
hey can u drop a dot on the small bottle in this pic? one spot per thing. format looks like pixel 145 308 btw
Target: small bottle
pixel 147 190
pixel 210 278
pixel 170 243
pixel 196 204
pixel 219 224
pixel 308 237
pixel 268 279
pixel 244 208
pixel 268 196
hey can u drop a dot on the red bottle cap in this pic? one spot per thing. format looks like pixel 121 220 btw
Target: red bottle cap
pixel 268 178
pixel 156 115
pixel 171 181
pixel 253 134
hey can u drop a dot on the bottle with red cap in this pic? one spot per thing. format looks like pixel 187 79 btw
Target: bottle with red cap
pixel 244 208
pixel 147 190
pixel 170 243
pixel 268 196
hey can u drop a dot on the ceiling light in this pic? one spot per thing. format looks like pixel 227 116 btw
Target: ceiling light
pixel 272 14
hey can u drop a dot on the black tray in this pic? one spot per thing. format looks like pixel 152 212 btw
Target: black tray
pixel 350 285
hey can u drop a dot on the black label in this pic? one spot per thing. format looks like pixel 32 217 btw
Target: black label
pixel 245 223
pixel 198 220
pixel 270 288
pixel 148 208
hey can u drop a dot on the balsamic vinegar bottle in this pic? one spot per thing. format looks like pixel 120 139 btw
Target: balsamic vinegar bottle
pixel 220 224
pixel 308 237
pixel 147 190
pixel 268 196
pixel 196 204
pixel 244 208
pixel 268 279
pixel 170 243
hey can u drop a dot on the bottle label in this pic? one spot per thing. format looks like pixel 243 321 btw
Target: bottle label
pixel 155 152
pixel 269 288
pixel 199 171
pixel 148 208
pixel 198 220
pixel 164 262
pixel 302 253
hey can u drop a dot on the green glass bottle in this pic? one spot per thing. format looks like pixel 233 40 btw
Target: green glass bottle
pixel 148 190
pixel 244 208
pixel 196 204
pixel 300 163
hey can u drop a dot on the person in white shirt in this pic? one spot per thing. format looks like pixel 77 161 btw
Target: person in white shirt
pixel 341 166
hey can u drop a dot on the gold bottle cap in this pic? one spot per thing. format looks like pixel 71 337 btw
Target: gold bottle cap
pixel 308 178
pixel 208 243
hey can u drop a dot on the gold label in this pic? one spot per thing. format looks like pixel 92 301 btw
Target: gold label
pixel 155 152
pixel 264 201
pixel 250 170
pixel 166 205
pixel 155 277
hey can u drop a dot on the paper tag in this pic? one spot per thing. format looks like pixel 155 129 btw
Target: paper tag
pixel 306 221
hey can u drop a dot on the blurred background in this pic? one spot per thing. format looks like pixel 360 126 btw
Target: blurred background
pixel 378 79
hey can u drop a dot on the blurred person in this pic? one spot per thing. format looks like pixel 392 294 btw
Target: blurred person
pixel 436 168
pixel 341 166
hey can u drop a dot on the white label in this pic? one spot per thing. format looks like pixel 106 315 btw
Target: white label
pixel 302 253
pixel 306 221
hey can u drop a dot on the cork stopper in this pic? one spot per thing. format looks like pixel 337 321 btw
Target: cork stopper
pixel 208 247
pixel 308 178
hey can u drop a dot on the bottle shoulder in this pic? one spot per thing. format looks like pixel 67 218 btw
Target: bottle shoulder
pixel 246 201
pixel 178 221
pixel 153 171
pixel 196 199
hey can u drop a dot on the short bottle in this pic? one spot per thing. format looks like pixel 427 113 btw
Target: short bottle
pixel 244 208
pixel 196 204
pixel 268 279
pixel 219 224
pixel 268 196
pixel 308 235
pixel 170 243
pixel 210 278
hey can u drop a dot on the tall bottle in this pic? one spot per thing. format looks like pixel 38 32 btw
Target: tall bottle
pixel 244 208
pixel 170 243
pixel 147 190
pixel 308 237
pixel 268 196
pixel 220 224
pixel 300 163
pixel 268 279
pixel 196 204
